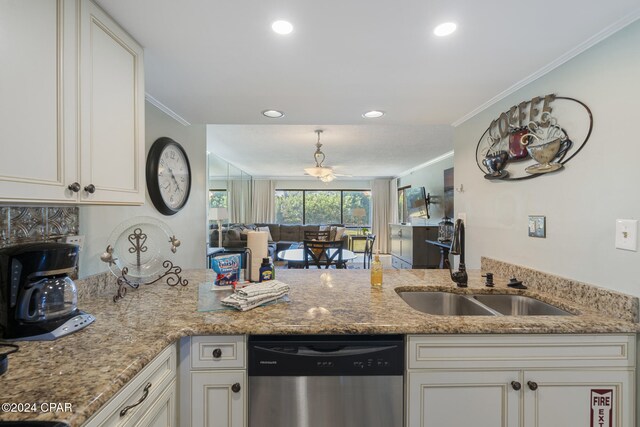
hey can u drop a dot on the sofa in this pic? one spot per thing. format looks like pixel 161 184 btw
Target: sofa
pixel 282 236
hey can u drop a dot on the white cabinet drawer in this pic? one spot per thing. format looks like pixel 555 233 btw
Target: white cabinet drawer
pixel 517 351
pixel 215 352
pixel 159 373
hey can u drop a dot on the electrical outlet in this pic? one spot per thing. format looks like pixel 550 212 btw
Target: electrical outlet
pixel 76 240
pixel 463 217
pixel 627 234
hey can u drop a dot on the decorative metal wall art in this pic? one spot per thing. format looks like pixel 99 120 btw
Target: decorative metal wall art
pixel 138 253
pixel 533 138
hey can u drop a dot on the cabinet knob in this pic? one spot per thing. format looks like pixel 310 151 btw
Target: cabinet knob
pixel 75 187
pixel 532 385
pixel 90 188
pixel 235 388
pixel 516 385
pixel 217 353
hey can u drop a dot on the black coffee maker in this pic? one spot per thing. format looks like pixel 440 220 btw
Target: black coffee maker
pixel 38 299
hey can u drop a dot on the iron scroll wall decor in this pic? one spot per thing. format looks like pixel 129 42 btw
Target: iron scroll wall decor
pixel 530 140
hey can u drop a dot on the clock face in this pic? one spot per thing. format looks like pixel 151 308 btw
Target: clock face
pixel 168 176
pixel 173 176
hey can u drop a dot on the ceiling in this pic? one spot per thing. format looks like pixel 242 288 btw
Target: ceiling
pixel 218 62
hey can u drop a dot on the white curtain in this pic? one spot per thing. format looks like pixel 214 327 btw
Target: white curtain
pixel 263 208
pixel 393 198
pixel 234 201
pixel 381 212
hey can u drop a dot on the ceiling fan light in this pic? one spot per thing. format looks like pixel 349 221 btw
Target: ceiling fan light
pixel 327 178
pixel 318 172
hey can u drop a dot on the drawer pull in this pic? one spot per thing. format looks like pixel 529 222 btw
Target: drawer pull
pixel 144 396
pixel 532 385
pixel 235 388
pixel 217 353
pixel 75 187
pixel 90 188
pixel 516 385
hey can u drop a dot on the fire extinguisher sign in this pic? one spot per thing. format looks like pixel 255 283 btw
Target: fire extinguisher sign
pixel 601 408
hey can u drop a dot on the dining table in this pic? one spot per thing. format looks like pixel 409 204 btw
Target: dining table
pixel 295 257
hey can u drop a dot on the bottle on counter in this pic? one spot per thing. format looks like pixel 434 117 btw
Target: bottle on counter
pixel 376 271
pixel 266 270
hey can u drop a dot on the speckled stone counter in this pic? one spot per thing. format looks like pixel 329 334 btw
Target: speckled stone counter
pixel 87 368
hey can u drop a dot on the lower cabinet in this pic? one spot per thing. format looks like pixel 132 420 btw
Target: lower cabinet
pixel 148 400
pixel 528 381
pixel 213 381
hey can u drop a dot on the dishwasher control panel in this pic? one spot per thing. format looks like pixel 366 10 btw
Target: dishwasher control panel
pixel 326 355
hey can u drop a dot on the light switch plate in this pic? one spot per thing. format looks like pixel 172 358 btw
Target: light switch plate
pixel 627 234
pixel 537 226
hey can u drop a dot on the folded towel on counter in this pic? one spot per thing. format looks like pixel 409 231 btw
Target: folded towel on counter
pixel 255 295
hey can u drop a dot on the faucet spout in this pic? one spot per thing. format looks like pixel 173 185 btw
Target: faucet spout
pixel 460 277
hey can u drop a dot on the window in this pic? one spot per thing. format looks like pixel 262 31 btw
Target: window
pixel 403 214
pixel 356 208
pixel 322 207
pixel 217 198
pixel 349 207
pixel 289 207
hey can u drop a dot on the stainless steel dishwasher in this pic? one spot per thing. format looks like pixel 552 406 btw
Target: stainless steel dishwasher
pixel 326 380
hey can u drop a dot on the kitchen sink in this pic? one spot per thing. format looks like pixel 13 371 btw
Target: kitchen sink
pixel 450 304
pixel 519 305
pixel 445 304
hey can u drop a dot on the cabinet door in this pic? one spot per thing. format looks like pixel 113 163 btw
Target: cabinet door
pixel 573 397
pixel 407 243
pixel 395 236
pixel 462 399
pixel 214 403
pixel 162 412
pixel 111 111
pixel 38 81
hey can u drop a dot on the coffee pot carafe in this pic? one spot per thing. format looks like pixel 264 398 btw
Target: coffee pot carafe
pixel 38 299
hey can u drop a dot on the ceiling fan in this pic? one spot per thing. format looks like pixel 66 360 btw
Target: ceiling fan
pixel 323 173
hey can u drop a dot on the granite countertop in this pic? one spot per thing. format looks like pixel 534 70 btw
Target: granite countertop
pixel 88 367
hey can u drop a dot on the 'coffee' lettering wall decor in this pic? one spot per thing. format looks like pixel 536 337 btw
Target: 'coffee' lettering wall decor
pixel 533 138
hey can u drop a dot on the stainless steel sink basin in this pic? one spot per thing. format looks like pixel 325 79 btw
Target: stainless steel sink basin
pixel 444 304
pixel 449 304
pixel 519 305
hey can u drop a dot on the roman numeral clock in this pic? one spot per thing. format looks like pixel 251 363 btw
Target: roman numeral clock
pixel 168 176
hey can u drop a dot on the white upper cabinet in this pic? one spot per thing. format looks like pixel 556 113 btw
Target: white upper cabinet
pixel 72 105
pixel 111 110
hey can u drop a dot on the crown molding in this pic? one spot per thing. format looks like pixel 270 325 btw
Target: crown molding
pixel 168 111
pixel 425 164
pixel 590 42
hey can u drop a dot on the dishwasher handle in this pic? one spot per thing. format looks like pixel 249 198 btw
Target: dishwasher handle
pixel 339 351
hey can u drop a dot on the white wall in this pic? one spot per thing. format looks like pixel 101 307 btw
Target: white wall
pixel 314 184
pixel 582 202
pixel 431 177
pixel 189 225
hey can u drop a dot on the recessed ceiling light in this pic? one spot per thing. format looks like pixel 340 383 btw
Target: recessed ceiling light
pixel 445 29
pixel 282 27
pixel 373 114
pixel 273 114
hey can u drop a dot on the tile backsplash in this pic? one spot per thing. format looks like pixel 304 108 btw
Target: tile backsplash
pixel 20 224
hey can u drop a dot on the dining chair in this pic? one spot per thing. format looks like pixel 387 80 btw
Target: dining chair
pixel 323 252
pixel 368 250
pixel 316 235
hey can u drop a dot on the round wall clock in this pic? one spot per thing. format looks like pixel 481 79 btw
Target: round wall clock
pixel 168 176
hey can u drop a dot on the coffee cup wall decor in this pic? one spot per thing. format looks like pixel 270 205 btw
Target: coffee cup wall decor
pixel 534 138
